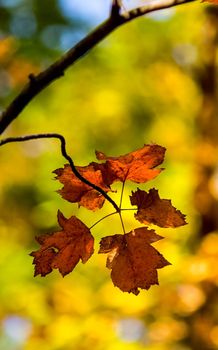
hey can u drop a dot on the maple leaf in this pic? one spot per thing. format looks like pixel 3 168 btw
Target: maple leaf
pixel 137 166
pixel 132 259
pixel 63 249
pixel 75 190
pixel 153 210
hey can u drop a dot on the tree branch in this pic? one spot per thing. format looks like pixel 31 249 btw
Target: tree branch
pixel 65 155
pixel 39 82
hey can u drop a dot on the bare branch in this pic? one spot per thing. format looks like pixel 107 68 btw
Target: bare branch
pixel 152 7
pixel 39 82
pixel 65 155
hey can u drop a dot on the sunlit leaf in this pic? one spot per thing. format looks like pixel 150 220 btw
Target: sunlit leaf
pixel 154 210
pixel 132 259
pixel 75 190
pixel 63 249
pixel 137 166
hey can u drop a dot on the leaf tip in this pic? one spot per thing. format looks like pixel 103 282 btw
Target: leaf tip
pixel 61 218
pixel 99 155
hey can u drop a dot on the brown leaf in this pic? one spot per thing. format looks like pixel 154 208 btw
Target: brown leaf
pixel 137 166
pixel 75 190
pixel 153 210
pixel 132 259
pixel 63 249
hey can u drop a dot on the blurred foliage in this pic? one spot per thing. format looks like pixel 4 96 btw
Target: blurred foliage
pixel 138 86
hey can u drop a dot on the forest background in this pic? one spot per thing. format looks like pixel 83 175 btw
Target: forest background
pixel 153 80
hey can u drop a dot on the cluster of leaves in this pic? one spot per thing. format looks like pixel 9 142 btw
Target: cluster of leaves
pixel 131 257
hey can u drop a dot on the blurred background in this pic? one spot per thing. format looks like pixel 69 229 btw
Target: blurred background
pixel 151 81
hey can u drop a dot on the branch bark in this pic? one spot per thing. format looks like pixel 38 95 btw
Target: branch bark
pixel 39 82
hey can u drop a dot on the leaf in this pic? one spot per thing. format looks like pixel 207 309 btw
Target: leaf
pixel 137 166
pixel 132 259
pixel 153 210
pixel 75 190
pixel 63 249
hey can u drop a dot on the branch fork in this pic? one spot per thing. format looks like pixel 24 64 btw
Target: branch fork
pixel 38 83
pixel 116 8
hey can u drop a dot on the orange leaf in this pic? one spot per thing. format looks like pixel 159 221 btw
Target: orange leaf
pixel 63 249
pixel 153 210
pixel 75 190
pixel 137 166
pixel 133 261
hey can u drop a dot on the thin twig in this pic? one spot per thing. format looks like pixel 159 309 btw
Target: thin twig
pixel 65 155
pixel 39 82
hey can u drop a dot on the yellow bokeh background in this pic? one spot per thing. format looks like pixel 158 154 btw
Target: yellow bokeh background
pixel 136 87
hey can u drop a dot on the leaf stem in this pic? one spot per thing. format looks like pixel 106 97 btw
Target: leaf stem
pixel 121 196
pixel 104 217
pixel 122 223
pixel 114 212
pixel 128 209
pixel 66 156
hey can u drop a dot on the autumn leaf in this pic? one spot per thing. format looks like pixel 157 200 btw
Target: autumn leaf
pixel 63 249
pixel 137 166
pixel 75 190
pixel 153 210
pixel 132 259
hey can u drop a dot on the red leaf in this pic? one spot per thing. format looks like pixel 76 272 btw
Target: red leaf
pixel 133 261
pixel 63 249
pixel 137 166
pixel 75 190
pixel 153 210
